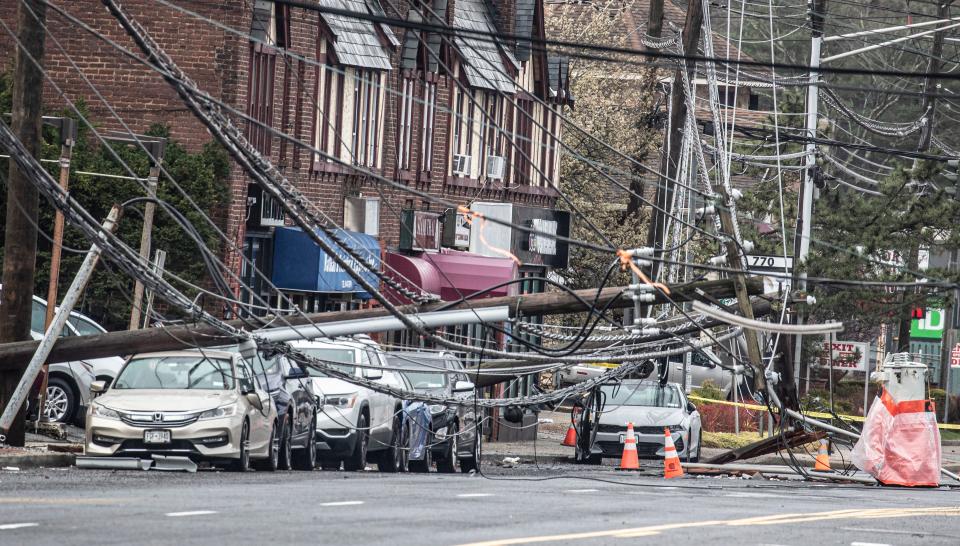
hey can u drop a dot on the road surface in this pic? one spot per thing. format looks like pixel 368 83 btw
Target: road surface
pixel 523 505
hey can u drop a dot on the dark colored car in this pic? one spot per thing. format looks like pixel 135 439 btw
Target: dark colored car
pixel 297 406
pixel 455 434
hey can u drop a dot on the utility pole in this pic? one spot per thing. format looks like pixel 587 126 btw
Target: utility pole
pixel 801 247
pixel 20 237
pixel 655 20
pixel 68 136
pixel 673 139
pixel 155 147
pixel 928 107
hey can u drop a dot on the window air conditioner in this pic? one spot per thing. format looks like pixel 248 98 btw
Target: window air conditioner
pixel 461 165
pixel 495 167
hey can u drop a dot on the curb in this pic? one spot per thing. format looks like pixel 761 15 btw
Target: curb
pixel 38 460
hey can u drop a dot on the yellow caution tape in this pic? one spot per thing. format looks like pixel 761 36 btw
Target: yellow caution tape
pixel 817 414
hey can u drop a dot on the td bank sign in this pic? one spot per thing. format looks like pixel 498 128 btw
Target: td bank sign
pixel 930 326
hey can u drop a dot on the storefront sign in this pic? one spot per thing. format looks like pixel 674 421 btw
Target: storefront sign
pixel 955 356
pixel 930 326
pixel 420 230
pixel 543 244
pixel 847 355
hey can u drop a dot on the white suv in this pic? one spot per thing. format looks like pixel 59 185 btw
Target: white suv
pixel 355 421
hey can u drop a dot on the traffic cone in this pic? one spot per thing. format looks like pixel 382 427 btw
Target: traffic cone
pixel 570 439
pixel 823 458
pixel 671 461
pixel 629 459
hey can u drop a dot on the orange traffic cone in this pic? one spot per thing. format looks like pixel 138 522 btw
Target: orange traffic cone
pixel 629 459
pixel 570 439
pixel 671 461
pixel 823 458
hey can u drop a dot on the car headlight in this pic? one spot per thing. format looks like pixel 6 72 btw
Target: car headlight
pixel 222 411
pixel 677 428
pixel 437 408
pixel 342 401
pixel 98 410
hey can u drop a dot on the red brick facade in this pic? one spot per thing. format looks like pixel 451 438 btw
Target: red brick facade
pixel 219 62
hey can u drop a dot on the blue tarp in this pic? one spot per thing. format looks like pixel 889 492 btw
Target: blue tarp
pixel 300 264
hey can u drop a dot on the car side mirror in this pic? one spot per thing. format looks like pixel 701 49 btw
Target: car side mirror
pixel 463 386
pixel 372 373
pixel 297 373
pixel 254 400
pixel 321 400
pixel 691 408
pixel 98 387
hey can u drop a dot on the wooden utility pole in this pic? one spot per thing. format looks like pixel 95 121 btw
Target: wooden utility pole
pixel 655 20
pixel 155 148
pixel 673 139
pixel 68 137
pixel 200 335
pixel 20 237
pixel 928 107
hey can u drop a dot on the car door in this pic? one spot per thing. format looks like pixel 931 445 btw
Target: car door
pixel 381 404
pixel 259 418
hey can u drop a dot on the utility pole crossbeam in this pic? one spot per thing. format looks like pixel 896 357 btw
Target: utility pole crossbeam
pixel 60 318
pixel 23 202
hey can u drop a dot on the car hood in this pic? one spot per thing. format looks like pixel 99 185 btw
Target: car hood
pixel 165 399
pixel 331 385
pixel 642 416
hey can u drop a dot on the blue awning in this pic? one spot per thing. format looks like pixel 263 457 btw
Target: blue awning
pixel 300 264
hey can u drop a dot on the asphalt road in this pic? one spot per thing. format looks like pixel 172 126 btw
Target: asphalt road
pixel 69 506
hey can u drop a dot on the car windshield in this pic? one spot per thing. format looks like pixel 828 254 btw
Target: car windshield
pixel 427 379
pixel 333 356
pixel 84 327
pixel 176 372
pixel 642 394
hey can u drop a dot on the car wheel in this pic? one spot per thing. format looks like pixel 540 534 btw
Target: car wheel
pixel 472 464
pixel 61 402
pixel 273 453
pixel 242 464
pixel 286 445
pixel 424 464
pixel 448 463
pixel 358 459
pixel 306 458
pixel 391 459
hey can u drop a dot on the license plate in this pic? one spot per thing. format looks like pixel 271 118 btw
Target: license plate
pixel 156 436
pixel 621 438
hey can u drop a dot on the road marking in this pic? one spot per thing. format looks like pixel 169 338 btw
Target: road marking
pixel 9 526
pixel 471 495
pixel 581 490
pixel 341 503
pixel 890 531
pixel 868 544
pixel 187 514
pixel 43 500
pixel 774 519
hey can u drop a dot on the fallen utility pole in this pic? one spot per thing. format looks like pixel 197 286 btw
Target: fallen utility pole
pixel 174 337
pixel 19 396
pixel 23 201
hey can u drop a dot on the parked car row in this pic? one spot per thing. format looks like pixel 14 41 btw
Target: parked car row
pixel 240 407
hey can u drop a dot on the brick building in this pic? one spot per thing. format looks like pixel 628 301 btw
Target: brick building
pixel 468 118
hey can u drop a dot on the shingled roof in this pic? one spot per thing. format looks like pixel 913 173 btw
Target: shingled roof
pixel 355 40
pixel 481 55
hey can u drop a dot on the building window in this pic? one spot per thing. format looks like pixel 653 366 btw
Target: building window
pixel 551 165
pixel 429 113
pixel 491 120
pixel 366 117
pixel 405 129
pixel 260 92
pixel 523 139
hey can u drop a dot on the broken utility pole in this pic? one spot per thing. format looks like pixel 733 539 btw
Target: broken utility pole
pixel 172 337
pixel 673 139
pixel 20 237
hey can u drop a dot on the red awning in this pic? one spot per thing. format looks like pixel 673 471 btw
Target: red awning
pixel 451 274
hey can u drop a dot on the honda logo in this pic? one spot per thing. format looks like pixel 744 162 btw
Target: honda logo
pixel 157 417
